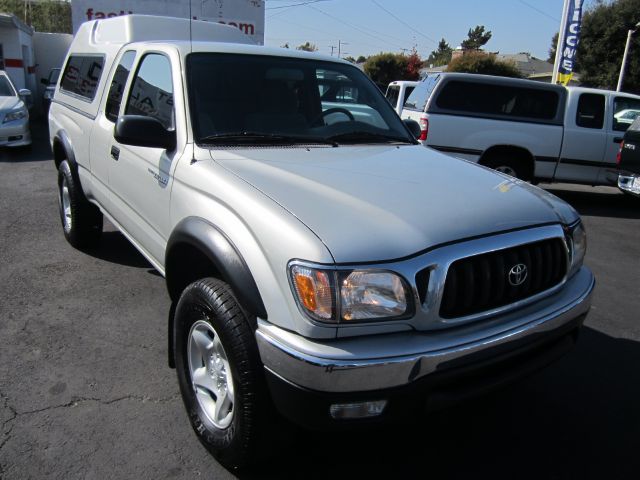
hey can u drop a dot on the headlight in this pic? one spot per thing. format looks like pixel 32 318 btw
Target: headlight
pixel 370 295
pixel 578 238
pixel 350 296
pixel 15 115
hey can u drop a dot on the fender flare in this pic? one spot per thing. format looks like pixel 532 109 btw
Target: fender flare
pixel 222 253
pixel 62 138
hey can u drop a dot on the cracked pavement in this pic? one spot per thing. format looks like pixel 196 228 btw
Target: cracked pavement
pixel 85 391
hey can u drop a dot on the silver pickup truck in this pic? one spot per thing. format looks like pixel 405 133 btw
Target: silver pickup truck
pixel 318 258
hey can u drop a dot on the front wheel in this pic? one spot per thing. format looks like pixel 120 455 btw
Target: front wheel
pixel 219 371
pixel 81 220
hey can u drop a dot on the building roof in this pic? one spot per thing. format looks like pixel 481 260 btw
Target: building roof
pixel 10 20
pixel 526 63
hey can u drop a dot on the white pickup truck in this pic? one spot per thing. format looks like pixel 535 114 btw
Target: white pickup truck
pixel 530 130
pixel 320 262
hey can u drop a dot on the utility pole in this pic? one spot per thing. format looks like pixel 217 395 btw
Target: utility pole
pixel 340 44
pixel 332 47
pixel 624 57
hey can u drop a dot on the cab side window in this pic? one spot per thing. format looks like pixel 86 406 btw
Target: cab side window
pixel 151 93
pixel 116 90
pixel 590 111
pixel 82 75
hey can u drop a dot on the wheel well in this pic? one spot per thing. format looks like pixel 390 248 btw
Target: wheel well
pixel 185 264
pixel 59 153
pixel 517 155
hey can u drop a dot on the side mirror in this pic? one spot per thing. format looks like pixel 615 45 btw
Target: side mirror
pixel 413 126
pixel 44 81
pixel 141 131
pixel 24 92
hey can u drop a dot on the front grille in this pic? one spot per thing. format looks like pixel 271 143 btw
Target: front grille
pixel 492 280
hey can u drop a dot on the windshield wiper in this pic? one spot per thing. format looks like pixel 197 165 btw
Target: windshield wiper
pixel 367 137
pixel 261 138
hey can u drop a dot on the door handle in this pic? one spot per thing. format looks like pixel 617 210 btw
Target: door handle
pixel 115 153
pixel 617 139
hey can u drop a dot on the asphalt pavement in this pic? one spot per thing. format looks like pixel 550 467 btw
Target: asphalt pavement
pixel 86 393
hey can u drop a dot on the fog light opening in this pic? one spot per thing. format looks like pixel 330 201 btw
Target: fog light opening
pixel 350 411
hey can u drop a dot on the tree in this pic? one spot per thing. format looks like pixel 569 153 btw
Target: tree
pixel 44 16
pixel 476 38
pixel 350 59
pixel 603 38
pixel 386 67
pixel 307 47
pixel 553 48
pixel 286 45
pixel 441 55
pixel 483 63
pixel 414 64
pixel 361 59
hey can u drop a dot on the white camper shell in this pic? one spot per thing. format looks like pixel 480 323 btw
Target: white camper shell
pixel 101 41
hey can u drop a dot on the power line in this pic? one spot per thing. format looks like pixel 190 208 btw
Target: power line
pixel 309 2
pixel 404 23
pixel 541 12
pixel 351 25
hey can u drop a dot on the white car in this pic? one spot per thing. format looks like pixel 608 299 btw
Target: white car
pixel 14 116
pixel 627 116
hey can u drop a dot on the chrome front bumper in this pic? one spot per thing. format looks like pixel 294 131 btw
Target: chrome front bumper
pixel 386 361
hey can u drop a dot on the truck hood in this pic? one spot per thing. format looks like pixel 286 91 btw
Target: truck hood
pixel 9 103
pixel 375 203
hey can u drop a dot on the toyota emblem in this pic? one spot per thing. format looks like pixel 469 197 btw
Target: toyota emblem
pixel 518 274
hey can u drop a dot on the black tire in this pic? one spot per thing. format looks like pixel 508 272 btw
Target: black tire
pixel 513 166
pixel 212 301
pixel 82 223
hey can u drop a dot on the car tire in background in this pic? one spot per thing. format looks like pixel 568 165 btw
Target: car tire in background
pixel 81 220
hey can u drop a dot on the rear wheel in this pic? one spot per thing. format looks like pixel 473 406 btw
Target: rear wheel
pixel 219 372
pixel 81 220
pixel 513 166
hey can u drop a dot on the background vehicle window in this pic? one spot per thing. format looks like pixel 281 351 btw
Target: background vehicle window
pixel 635 126
pixel 392 95
pixel 82 74
pixel 590 111
pixel 152 90
pixel 499 100
pixel 420 95
pixel 625 111
pixel 6 90
pixel 116 90
pixel 407 93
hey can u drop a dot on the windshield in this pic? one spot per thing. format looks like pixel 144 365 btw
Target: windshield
pixel 6 89
pixel 261 99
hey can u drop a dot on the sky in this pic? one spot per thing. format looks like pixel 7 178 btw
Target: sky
pixel 366 27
